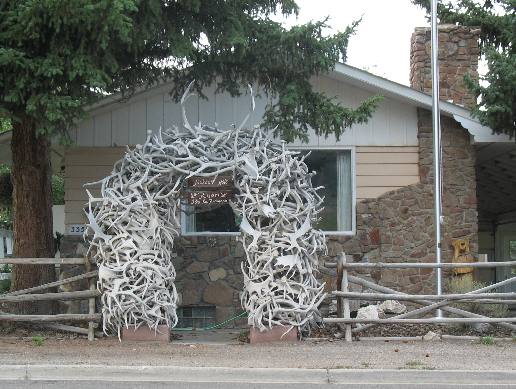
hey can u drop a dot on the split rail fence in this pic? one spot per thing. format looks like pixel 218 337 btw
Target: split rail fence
pixel 34 294
pixel 430 303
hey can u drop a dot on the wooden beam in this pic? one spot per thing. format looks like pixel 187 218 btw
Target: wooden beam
pixel 79 295
pixel 42 261
pixel 45 318
pixel 420 265
pixel 67 328
pixel 91 274
pixel 433 320
pixel 429 297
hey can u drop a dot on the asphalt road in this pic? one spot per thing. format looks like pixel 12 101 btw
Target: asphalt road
pixel 229 385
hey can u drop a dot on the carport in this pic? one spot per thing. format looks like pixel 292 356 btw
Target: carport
pixel 496 196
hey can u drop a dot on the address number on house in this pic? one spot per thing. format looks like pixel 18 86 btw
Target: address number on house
pixel 76 229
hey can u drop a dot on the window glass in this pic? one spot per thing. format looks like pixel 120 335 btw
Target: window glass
pixel 324 163
pixel 219 219
pixel 333 170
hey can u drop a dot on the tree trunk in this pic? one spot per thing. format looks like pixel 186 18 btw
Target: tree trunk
pixel 32 211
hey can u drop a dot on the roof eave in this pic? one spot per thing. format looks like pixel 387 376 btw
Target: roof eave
pixel 377 84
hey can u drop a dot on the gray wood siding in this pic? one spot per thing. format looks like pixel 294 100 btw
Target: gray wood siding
pixel 126 123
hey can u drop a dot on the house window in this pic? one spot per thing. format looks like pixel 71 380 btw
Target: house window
pixel 334 170
pixel 335 173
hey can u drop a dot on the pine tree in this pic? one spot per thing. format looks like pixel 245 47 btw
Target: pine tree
pixel 57 56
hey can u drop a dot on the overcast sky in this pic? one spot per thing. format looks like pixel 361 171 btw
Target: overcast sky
pixel 382 42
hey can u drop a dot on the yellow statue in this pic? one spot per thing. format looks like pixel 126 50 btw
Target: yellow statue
pixel 462 254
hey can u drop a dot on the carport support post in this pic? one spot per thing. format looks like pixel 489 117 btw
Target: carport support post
pixel 436 126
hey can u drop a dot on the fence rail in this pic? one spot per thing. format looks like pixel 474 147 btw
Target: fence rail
pixel 416 265
pixel 430 302
pixel 29 295
pixel 44 261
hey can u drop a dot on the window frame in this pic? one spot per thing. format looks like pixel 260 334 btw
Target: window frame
pixel 336 148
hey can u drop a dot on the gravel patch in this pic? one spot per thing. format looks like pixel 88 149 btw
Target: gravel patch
pixel 470 355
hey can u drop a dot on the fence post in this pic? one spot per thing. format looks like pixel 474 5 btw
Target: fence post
pixel 340 300
pixel 91 301
pixel 344 287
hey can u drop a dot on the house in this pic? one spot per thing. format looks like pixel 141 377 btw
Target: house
pixel 377 176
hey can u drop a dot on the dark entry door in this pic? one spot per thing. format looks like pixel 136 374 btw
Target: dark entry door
pixel 506 252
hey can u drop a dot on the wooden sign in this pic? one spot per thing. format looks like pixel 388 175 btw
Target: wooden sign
pixel 210 182
pixel 206 191
pixel 209 197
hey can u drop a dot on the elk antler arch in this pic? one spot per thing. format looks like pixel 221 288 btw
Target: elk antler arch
pixel 132 225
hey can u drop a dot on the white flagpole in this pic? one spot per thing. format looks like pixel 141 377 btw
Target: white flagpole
pixel 436 126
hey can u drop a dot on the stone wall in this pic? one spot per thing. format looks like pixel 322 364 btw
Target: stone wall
pixel 458 56
pixel 209 273
pixel 399 225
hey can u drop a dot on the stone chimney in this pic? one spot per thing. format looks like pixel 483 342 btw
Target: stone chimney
pixel 458 56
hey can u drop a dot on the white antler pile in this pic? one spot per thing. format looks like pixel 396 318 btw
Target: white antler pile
pixel 278 206
pixel 132 225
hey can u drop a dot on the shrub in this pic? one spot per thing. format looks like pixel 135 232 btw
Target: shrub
pixel 467 284
pixel 487 340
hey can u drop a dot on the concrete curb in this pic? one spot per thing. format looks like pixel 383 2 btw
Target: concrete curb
pixel 160 374
pixel 251 375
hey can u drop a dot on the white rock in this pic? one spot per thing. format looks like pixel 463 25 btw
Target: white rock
pixel 369 312
pixel 430 335
pixel 392 306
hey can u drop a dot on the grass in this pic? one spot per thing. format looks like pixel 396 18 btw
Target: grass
pixel 243 336
pixel 487 340
pixel 38 340
pixel 417 365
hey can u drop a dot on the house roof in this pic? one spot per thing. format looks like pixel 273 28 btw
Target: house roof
pixel 375 84
pixel 379 85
